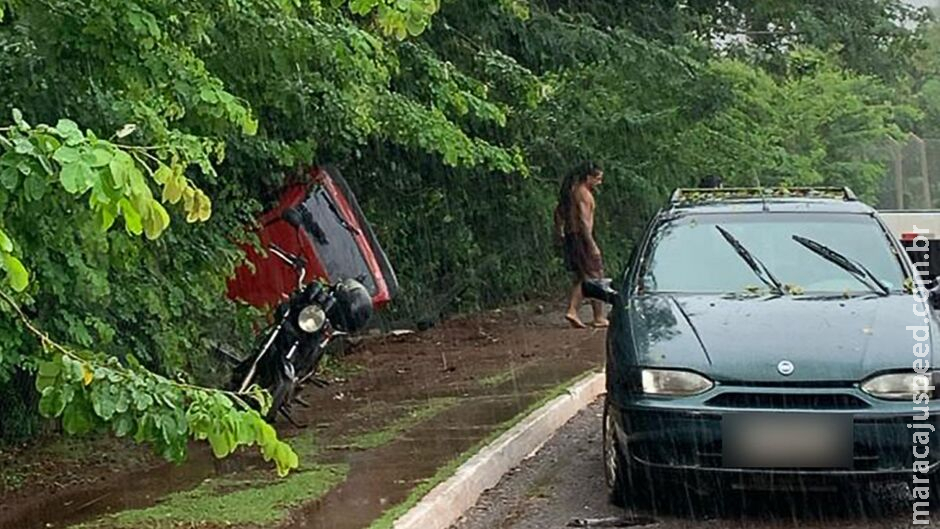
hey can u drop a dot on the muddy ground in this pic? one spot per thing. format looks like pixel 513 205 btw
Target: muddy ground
pixel 399 409
pixel 563 486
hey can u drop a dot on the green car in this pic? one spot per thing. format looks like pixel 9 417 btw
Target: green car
pixel 769 339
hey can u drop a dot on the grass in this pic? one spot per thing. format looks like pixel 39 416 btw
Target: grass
pixel 334 367
pixel 232 501
pixel 11 480
pixel 248 498
pixel 498 379
pixel 257 499
pixel 414 416
pixel 387 520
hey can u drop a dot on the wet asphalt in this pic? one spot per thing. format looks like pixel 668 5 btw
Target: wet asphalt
pixel 563 486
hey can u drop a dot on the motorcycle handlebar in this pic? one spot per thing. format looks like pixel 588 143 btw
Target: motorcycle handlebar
pixel 294 261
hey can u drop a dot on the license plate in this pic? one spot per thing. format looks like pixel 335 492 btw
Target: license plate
pixel 787 440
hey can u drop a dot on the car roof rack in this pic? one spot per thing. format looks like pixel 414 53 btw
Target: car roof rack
pixel 692 195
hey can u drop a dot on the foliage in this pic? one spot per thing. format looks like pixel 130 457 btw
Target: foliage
pixel 194 82
pixel 872 37
pixel 92 392
pixel 820 126
pixel 453 121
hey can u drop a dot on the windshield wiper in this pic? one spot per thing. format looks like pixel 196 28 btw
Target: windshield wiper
pixel 760 270
pixel 856 269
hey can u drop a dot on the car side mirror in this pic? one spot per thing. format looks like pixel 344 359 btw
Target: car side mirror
pixel 292 217
pixel 600 290
pixel 933 297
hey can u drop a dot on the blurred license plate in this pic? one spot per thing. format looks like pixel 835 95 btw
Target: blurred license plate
pixel 786 440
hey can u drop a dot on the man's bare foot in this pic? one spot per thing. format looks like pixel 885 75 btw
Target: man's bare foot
pixel 575 321
pixel 600 324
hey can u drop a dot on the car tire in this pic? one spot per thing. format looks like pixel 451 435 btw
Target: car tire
pixel 627 488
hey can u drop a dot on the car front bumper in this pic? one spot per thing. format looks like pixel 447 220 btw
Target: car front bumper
pixel 681 439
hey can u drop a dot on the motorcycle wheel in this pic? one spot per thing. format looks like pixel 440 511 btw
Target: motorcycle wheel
pixel 281 395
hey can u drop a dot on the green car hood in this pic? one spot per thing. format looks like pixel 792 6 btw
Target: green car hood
pixel 744 339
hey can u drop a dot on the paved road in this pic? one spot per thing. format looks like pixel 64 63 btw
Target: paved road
pixel 562 486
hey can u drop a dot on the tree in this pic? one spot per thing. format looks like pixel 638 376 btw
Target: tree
pixel 164 75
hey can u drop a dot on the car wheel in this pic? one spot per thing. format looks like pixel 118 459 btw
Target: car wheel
pixel 624 486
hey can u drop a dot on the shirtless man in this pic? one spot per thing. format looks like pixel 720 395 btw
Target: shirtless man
pixel 574 223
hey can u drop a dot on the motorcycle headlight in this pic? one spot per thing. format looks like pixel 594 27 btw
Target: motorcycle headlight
pixel 311 319
pixel 672 382
pixel 900 386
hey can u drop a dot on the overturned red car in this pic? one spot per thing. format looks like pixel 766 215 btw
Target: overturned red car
pixel 335 240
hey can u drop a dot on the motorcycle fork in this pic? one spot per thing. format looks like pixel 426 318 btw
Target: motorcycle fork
pixel 254 365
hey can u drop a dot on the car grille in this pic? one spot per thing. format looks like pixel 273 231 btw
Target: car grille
pixel 800 401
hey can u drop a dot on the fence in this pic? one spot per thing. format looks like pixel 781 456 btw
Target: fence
pixel 912 179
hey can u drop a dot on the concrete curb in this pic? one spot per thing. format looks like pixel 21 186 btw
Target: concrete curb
pixel 444 505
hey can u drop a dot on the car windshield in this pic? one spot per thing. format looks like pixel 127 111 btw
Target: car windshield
pixel 690 254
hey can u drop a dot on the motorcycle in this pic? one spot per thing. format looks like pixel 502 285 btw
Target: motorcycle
pixel 289 351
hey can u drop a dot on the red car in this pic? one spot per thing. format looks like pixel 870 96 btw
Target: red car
pixel 334 239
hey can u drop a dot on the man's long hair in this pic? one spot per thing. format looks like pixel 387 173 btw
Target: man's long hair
pixel 574 177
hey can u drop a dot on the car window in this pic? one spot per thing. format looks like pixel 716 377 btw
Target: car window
pixel 337 249
pixel 691 255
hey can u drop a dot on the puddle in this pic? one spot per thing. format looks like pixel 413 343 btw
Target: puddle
pixel 397 375
pixel 380 479
pixel 140 489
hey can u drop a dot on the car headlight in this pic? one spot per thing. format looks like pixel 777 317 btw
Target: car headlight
pixel 899 386
pixel 311 318
pixel 673 382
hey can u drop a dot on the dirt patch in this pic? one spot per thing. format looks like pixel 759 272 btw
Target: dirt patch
pixel 485 368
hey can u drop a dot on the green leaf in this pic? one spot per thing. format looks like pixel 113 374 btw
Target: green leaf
pixel 72 369
pixel 47 374
pixel 361 7
pixel 66 155
pixel 103 403
pixel 77 417
pixel 123 424
pixel 137 182
pixel 47 142
pixel 99 156
pixel 163 174
pixel 105 216
pixel 6 245
pixel 77 177
pixel 285 458
pixel 121 166
pixel 23 146
pixel 54 400
pixel 132 220
pixel 157 221
pixel 17 276
pixel 250 126
pixel 25 167
pixel 17 115
pixel 9 178
pixel 70 131
pixel 208 95
pixel 142 401
pixel 173 190
pixel 220 444
pixel 35 187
